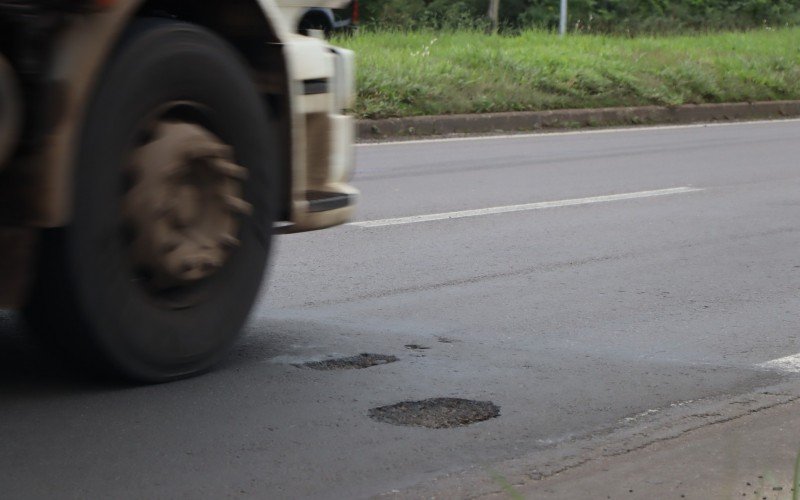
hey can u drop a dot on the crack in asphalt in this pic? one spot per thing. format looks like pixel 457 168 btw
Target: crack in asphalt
pixel 469 281
pixel 648 443
pixel 542 268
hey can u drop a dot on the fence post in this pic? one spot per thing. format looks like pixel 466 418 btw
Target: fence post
pixel 562 21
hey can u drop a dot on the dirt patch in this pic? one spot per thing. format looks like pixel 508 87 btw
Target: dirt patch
pixel 364 360
pixel 436 413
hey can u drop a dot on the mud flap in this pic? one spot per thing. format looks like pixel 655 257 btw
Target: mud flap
pixel 17 254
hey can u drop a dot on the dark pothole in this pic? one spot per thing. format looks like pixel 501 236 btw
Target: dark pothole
pixel 436 413
pixel 417 347
pixel 364 360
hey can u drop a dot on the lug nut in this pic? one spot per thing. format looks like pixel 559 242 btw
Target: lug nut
pixel 238 205
pixel 207 150
pixel 230 169
pixel 229 241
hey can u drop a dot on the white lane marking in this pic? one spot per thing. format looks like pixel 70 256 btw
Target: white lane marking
pixel 522 208
pixel 788 364
pixel 612 130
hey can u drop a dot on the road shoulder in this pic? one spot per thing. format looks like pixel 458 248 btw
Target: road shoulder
pixel 748 457
pixel 735 447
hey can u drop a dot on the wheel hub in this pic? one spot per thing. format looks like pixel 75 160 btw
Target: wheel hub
pixel 184 204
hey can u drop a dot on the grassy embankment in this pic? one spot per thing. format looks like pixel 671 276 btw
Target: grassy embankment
pixel 425 73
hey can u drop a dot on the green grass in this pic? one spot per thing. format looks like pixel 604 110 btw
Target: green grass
pixel 796 479
pixel 505 485
pixel 425 73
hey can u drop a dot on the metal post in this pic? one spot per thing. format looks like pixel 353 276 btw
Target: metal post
pixel 562 22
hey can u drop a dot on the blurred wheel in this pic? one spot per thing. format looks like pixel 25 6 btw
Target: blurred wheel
pixel 316 19
pixel 172 213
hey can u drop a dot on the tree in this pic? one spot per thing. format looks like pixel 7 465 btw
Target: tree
pixel 494 14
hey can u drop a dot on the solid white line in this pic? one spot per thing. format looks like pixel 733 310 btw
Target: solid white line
pixel 787 364
pixel 612 130
pixel 522 208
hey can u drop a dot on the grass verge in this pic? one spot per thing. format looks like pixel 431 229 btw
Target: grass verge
pixel 796 478
pixel 429 73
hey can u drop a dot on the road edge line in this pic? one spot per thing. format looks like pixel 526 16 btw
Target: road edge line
pixel 527 121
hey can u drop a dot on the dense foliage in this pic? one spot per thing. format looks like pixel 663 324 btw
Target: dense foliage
pixel 604 16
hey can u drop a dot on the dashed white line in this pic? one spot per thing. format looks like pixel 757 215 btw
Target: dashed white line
pixel 789 364
pixel 522 208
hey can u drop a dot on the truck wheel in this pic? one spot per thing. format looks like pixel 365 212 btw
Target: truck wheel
pixel 316 19
pixel 172 214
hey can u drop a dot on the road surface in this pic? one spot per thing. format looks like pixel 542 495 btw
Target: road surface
pixel 580 281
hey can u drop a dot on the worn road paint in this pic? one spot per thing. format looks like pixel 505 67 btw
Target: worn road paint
pixel 612 130
pixel 523 208
pixel 788 364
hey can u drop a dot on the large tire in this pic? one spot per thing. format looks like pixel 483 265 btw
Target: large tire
pixel 89 299
pixel 315 20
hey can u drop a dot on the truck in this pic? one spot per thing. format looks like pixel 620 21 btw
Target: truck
pixel 149 151
pixel 330 21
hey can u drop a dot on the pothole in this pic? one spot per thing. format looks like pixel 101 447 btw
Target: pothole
pixel 364 360
pixel 436 413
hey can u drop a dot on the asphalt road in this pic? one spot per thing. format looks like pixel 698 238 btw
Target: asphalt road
pixel 570 316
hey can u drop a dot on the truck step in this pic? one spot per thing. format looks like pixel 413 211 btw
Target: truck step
pixel 322 201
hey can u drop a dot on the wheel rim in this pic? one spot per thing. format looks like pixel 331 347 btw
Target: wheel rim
pixel 183 203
